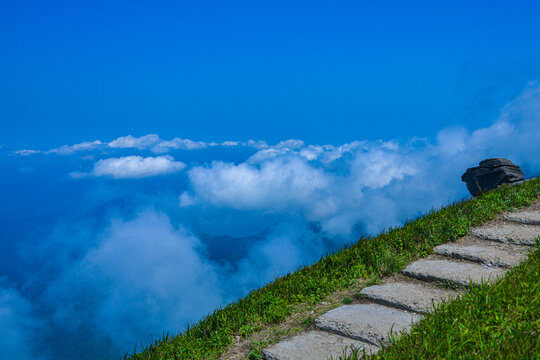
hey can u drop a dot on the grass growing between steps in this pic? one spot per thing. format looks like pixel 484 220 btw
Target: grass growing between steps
pixel 369 258
pixel 497 321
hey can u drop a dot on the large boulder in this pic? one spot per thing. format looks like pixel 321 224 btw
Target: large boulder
pixel 491 174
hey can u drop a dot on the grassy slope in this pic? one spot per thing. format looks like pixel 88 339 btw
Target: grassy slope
pixel 497 321
pixel 375 257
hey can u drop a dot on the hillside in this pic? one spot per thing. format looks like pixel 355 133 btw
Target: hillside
pixel 289 304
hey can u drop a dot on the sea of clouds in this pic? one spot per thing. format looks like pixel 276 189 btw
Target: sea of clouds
pixel 168 230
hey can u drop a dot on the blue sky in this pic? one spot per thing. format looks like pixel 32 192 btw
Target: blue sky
pixel 160 160
pixel 326 72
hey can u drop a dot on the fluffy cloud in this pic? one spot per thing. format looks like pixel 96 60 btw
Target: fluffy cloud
pixel 283 250
pixel 275 185
pixel 367 186
pixel 290 144
pixel 289 183
pixel 143 277
pixel 26 152
pixel 134 167
pixel 155 144
pixel 150 142
pixel 177 143
pixel 379 166
pixel 143 142
pixel 19 329
pixel 84 146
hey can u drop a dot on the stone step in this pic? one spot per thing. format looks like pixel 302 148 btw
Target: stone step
pixel 314 345
pixel 408 296
pixel 455 272
pixel 524 217
pixel 367 322
pixel 486 252
pixel 508 233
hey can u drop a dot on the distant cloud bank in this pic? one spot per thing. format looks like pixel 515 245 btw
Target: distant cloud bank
pixel 18 326
pixel 292 167
pixel 150 142
pixel 136 274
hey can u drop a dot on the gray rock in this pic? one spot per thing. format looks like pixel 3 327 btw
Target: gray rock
pixel 314 345
pixel 408 296
pixel 460 273
pixel 485 252
pixel 367 322
pixel 491 173
pixel 524 217
pixel 508 233
pixel 495 163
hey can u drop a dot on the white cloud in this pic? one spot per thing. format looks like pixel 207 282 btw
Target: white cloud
pixel 26 152
pixel 266 154
pixel 70 149
pixel 160 146
pixel 324 153
pixel 287 247
pixel 177 143
pixel 257 144
pixel 134 167
pixel 377 167
pixel 142 278
pixel 150 142
pixel 333 153
pixel 141 143
pixel 297 183
pixel 19 329
pixel 312 152
pixel 368 184
pixel 452 141
pixel 156 145
pixel 290 144
pixel 276 185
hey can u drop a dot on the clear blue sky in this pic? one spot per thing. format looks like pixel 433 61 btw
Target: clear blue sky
pixel 325 72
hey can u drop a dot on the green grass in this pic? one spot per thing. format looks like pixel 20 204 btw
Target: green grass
pixel 369 258
pixel 497 321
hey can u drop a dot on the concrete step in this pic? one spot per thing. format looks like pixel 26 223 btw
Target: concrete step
pixel 455 272
pixel 408 296
pixel 365 326
pixel 314 345
pixel 486 252
pixel 367 322
pixel 524 217
pixel 511 233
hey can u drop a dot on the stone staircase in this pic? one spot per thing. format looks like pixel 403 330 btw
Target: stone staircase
pixel 487 253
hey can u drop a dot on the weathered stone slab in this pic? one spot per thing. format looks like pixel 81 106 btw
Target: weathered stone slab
pixel 524 217
pixel 485 252
pixel 491 174
pixel 456 272
pixel 366 322
pixel 508 233
pixel 408 296
pixel 314 345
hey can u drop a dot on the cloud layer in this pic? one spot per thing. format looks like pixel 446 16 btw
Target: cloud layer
pixel 151 142
pixel 227 227
pixel 144 276
pixel 341 187
pixel 18 325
